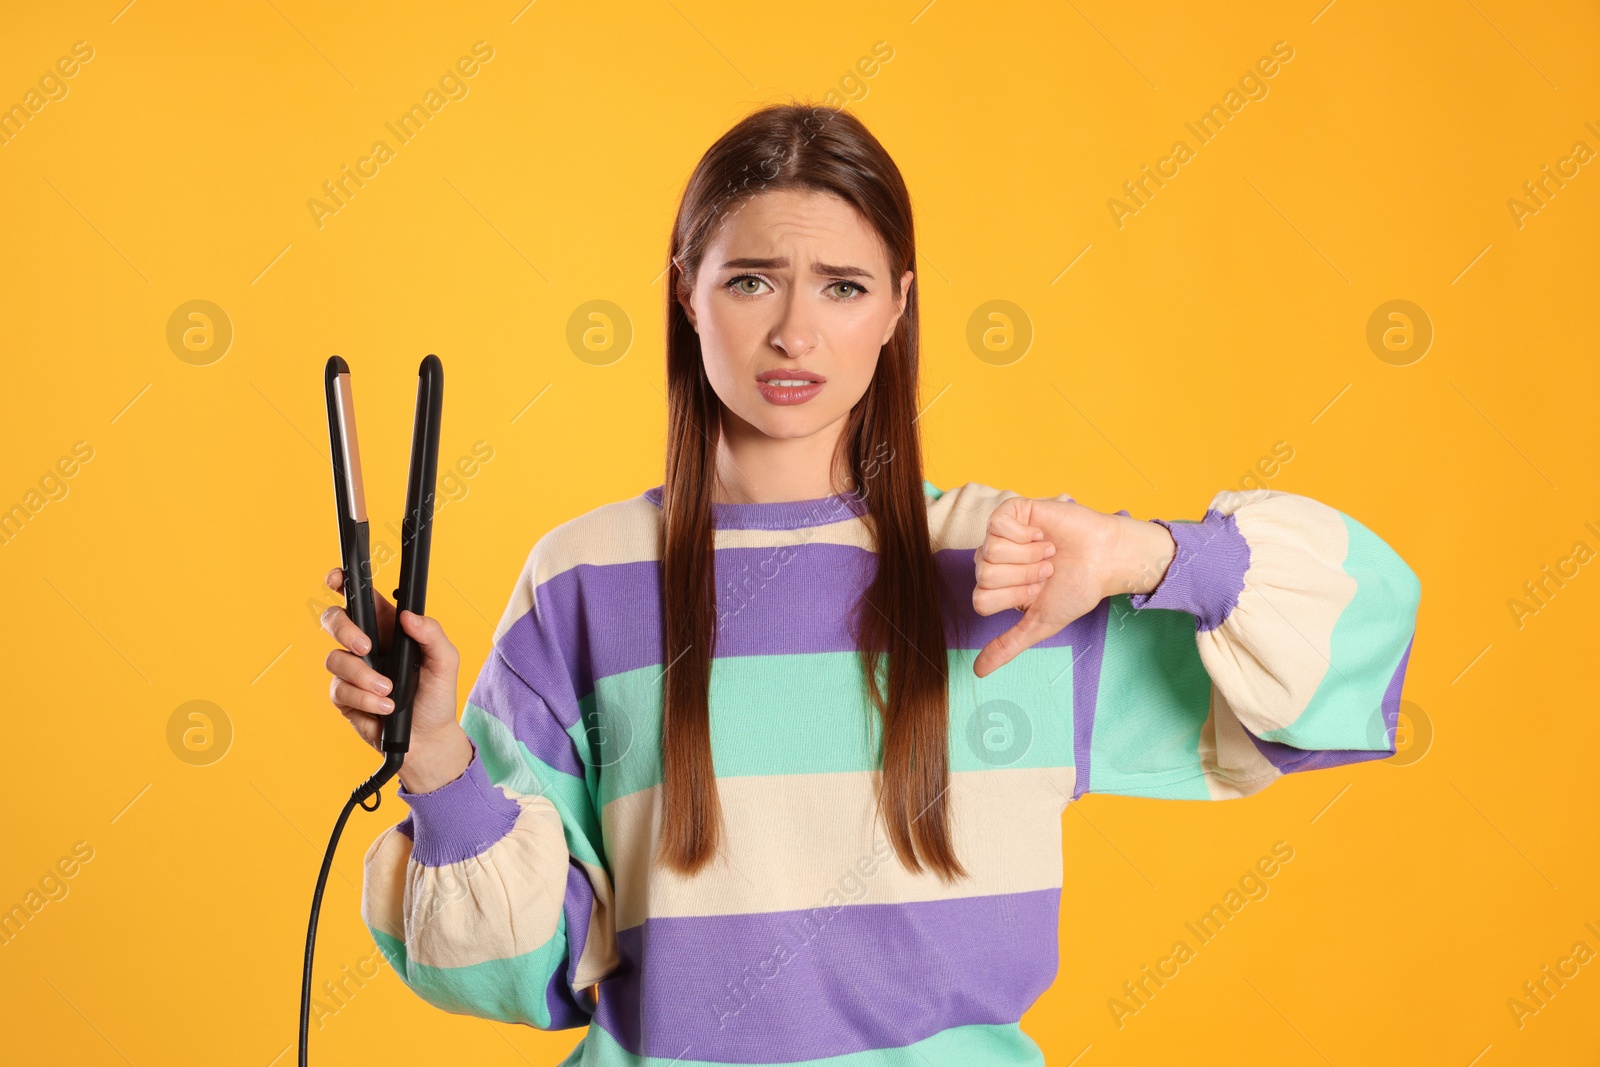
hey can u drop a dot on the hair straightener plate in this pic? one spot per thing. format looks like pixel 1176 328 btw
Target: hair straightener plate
pixel 403 660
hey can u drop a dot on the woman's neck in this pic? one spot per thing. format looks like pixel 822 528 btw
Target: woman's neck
pixel 753 468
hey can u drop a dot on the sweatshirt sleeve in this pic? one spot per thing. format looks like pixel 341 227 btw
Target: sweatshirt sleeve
pixel 493 897
pixel 1276 642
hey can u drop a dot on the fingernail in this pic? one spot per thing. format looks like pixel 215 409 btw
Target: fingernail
pixel 384 685
pixel 363 645
pixel 387 704
pixel 1046 571
pixel 1049 550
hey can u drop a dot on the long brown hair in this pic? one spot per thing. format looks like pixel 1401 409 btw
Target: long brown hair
pixel 902 614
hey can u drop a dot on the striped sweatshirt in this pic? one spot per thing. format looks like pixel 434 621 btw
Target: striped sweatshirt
pixel 524 890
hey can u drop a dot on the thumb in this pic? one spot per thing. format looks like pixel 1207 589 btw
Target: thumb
pixel 428 635
pixel 1027 632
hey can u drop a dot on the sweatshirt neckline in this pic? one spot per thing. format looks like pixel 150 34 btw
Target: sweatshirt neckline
pixel 780 514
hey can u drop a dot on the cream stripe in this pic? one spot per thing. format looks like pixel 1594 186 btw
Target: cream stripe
pixel 383 903
pixel 1273 650
pixel 794 839
pixel 500 903
pixel 1234 766
pixel 600 956
pixel 383 883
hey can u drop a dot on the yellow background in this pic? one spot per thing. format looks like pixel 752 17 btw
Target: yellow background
pixel 1227 315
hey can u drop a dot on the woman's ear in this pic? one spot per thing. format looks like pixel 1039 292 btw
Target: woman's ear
pixel 900 308
pixel 688 307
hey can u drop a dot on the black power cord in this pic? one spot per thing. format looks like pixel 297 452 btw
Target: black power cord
pixel 370 788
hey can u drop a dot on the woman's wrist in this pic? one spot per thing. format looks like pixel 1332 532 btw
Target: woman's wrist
pixel 436 759
pixel 1140 555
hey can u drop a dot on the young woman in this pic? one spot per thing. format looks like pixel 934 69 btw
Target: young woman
pixel 761 767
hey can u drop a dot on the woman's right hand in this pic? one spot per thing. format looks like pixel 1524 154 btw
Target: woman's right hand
pixel 439 750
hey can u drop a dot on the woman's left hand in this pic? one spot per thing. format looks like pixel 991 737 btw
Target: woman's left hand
pixel 1055 560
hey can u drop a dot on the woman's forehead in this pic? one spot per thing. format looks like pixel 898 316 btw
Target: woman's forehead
pixel 818 228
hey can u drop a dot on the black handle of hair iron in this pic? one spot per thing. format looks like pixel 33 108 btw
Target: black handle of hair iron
pixel 349 490
pixel 403 662
pixel 416 538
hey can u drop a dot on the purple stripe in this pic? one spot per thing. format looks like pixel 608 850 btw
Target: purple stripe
pixel 1206 574
pixel 501 692
pixel 548 647
pixel 769 599
pixel 1391 696
pixel 567 1009
pixel 781 515
pixel 577 906
pixel 798 985
pixel 1289 759
pixel 1088 654
pixel 585 623
pixel 460 819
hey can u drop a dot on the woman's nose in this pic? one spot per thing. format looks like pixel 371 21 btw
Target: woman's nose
pixel 795 332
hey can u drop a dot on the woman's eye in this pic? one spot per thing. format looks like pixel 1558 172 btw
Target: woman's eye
pixel 735 284
pixel 848 285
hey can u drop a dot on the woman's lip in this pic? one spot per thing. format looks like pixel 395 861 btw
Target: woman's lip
pixel 768 375
pixel 784 395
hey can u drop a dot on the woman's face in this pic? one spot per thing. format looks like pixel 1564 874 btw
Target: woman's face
pixel 794 285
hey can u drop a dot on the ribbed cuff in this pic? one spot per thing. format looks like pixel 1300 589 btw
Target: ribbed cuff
pixel 1206 575
pixel 460 819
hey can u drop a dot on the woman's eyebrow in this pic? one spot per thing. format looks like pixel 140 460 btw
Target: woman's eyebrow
pixel 832 270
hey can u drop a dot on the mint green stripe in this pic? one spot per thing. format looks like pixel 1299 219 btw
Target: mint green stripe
pixel 1368 640
pixel 808 713
pixel 510 763
pixel 511 990
pixel 959 1046
pixel 1187 784
pixel 1153 700
pixel 933 492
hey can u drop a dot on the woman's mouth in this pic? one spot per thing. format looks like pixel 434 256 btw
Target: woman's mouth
pixel 779 390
